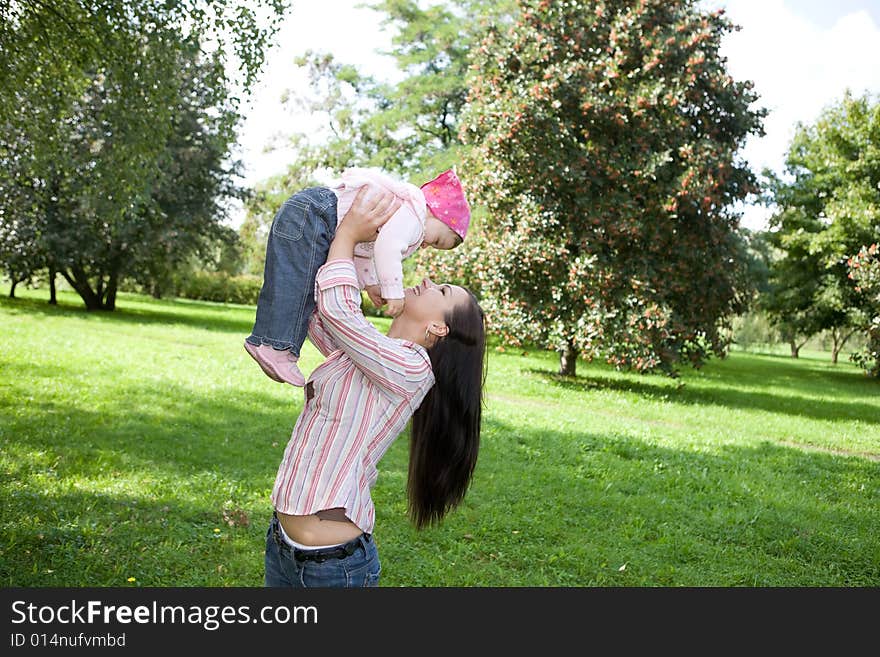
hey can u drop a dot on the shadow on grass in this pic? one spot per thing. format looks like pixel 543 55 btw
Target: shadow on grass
pixel 563 509
pixel 766 369
pixel 204 315
pixel 95 493
pixel 798 405
pixel 770 514
pixel 167 430
pixel 201 315
pixel 77 539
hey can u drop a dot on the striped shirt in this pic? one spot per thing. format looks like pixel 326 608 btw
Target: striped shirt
pixel 364 394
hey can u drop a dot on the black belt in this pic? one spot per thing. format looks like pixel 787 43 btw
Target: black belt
pixel 319 554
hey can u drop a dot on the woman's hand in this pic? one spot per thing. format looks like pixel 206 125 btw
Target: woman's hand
pixel 371 208
pixel 395 307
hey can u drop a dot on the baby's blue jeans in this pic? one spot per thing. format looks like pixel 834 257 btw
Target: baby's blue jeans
pixel 298 243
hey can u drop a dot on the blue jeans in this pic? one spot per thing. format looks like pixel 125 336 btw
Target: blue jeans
pixel 286 566
pixel 298 243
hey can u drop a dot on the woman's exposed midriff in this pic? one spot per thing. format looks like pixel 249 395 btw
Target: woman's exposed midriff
pixel 326 527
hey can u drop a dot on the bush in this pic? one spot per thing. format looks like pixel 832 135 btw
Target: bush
pixel 221 287
pixel 754 331
pixel 244 289
pixel 864 271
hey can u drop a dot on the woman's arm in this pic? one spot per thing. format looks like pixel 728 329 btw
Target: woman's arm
pixel 397 368
pixel 394 367
pixel 368 207
pixel 320 336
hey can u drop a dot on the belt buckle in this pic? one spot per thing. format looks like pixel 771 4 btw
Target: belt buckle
pixel 302 556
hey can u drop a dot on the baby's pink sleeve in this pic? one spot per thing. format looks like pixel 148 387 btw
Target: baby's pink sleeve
pixel 365 266
pixel 395 239
pixel 380 262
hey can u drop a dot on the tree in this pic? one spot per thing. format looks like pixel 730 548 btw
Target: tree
pixel 52 41
pixel 794 282
pixel 19 251
pixel 37 88
pixel 409 128
pixel 420 115
pixel 605 139
pixel 192 177
pixel 93 101
pixel 829 208
pixel 864 270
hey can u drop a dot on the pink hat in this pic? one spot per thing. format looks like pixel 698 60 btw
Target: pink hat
pixel 445 199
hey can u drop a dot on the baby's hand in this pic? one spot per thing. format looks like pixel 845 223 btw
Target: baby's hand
pixel 375 294
pixel 395 307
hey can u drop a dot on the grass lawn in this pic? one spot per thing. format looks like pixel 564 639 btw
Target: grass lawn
pixel 139 448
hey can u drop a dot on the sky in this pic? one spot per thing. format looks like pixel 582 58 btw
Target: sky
pixel 801 55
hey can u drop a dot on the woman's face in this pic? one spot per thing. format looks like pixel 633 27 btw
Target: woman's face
pixel 429 302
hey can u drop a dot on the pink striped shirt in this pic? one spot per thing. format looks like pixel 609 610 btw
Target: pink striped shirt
pixel 364 394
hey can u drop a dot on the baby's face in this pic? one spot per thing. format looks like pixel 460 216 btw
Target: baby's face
pixel 438 235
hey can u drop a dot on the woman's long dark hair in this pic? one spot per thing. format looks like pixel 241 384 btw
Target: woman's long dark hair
pixel 445 434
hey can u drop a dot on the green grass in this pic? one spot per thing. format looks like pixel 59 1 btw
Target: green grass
pixel 142 445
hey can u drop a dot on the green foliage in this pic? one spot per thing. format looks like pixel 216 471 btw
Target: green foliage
pixel 409 128
pixel 116 130
pixel 864 270
pixel 605 138
pixel 149 450
pixel 829 209
pixel 753 330
pixel 419 117
pixel 49 39
pixel 219 286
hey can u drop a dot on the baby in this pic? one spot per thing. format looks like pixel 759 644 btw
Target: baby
pixel 436 215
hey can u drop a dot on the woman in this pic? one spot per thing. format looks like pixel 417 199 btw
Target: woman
pixel 429 367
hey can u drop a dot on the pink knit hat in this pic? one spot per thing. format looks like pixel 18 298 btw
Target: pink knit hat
pixel 445 199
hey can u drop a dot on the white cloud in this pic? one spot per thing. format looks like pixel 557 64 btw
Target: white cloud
pixel 799 67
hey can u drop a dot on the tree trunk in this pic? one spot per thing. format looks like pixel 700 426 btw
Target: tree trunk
pixel 838 341
pixel 79 282
pixel 53 299
pixel 12 288
pixel 796 348
pixel 568 360
pixel 110 298
pixel 98 299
